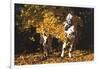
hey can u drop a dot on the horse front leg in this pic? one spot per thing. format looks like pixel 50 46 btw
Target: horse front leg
pixel 70 49
pixel 63 48
pixel 62 54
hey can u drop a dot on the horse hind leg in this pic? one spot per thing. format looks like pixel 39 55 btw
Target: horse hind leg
pixel 45 53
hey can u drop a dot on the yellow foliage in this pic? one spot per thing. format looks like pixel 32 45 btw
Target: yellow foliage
pixel 50 23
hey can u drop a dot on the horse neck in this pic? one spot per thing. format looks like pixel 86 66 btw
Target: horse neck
pixel 72 27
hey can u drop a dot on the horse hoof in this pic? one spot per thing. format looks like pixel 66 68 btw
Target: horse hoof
pixel 70 56
pixel 44 58
pixel 62 59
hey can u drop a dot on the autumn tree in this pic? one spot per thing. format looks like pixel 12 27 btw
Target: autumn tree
pixel 42 17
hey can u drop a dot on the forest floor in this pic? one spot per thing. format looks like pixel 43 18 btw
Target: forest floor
pixel 36 58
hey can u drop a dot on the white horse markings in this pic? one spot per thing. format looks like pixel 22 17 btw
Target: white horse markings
pixel 70 35
pixel 45 39
pixel 69 43
pixel 68 18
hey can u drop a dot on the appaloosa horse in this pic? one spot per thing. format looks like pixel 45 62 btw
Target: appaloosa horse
pixel 69 40
pixel 72 34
